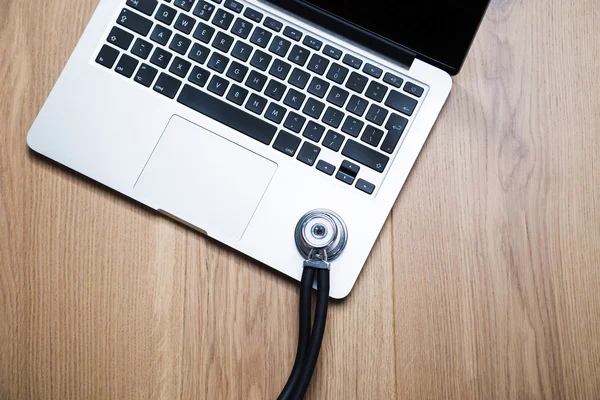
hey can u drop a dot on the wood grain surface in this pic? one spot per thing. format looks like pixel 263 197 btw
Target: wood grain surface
pixel 485 282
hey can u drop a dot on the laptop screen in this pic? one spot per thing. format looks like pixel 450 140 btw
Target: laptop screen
pixel 439 31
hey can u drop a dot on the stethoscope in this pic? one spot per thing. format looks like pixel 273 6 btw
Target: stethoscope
pixel 321 236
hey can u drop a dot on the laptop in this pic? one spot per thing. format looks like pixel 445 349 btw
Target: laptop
pixel 238 117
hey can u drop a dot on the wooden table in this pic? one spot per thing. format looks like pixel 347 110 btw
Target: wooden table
pixel 485 282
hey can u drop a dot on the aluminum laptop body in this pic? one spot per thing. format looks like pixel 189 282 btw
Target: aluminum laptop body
pixel 150 135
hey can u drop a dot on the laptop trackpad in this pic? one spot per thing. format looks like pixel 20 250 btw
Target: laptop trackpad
pixel 204 179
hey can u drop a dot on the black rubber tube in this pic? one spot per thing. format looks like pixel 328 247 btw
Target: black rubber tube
pixel 318 331
pixel 308 277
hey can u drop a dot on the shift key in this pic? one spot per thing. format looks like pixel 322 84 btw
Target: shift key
pixel 365 156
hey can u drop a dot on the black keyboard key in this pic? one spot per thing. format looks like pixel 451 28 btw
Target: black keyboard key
pixel 313 43
pixel 199 53
pixel 180 44
pixel 338 96
pixel 261 60
pixel 275 90
pixel 204 10
pixel 241 51
pixel 167 85
pixel 273 24
pixel 349 168
pixel 325 167
pixel 299 78
pixel 275 113
pixel 227 114
pixel 313 108
pixel 365 186
pixel 396 123
pixel 141 48
pixel 294 99
pixel 333 117
pixel 365 156
pixel 280 46
pixel 252 14
pixel 395 126
pixel 214 1
pixel 256 104
pixel 392 79
pixel 161 57
pixel 241 28
pixel 372 136
pixel 120 38
pixel 233 6
pixel 145 75
pixel 256 81
pixel 237 71
pixel 204 32
pixel 184 23
pixel 107 56
pixel 292 33
pixel 342 176
pixel 318 64
pixel 261 37
pixel 294 122
pixel 161 35
pixel 299 55
pixel 218 85
pixel 199 76
pixel 222 42
pixel 280 69
pixel 314 131
pixel 413 89
pixel 318 87
pixel 377 114
pixel 145 6
pixel 218 62
pixel 308 153
pixel 180 67
pixel 237 95
pixel 332 52
pixel 126 65
pixel 352 126
pixel 357 82
pixel 184 4
pixel 376 91
pixel 333 140
pixel 223 19
pixel 135 22
pixel 357 106
pixel 165 14
pixel 401 102
pixel 337 73
pixel 372 70
pixel 352 61
pixel 287 143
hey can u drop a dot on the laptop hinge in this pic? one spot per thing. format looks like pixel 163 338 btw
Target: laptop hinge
pixel 368 41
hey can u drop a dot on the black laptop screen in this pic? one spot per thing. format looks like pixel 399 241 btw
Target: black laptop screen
pixel 440 30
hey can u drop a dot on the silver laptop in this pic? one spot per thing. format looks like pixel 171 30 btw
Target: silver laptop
pixel 238 117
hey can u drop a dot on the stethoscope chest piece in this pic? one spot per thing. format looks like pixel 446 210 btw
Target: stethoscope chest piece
pixel 321 232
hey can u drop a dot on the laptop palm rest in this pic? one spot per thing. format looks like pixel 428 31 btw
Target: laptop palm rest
pixel 204 180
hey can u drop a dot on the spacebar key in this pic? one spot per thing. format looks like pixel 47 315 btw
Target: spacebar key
pixel 227 114
pixel 365 155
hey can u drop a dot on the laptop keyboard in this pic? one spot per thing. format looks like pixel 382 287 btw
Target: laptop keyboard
pixel 273 82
